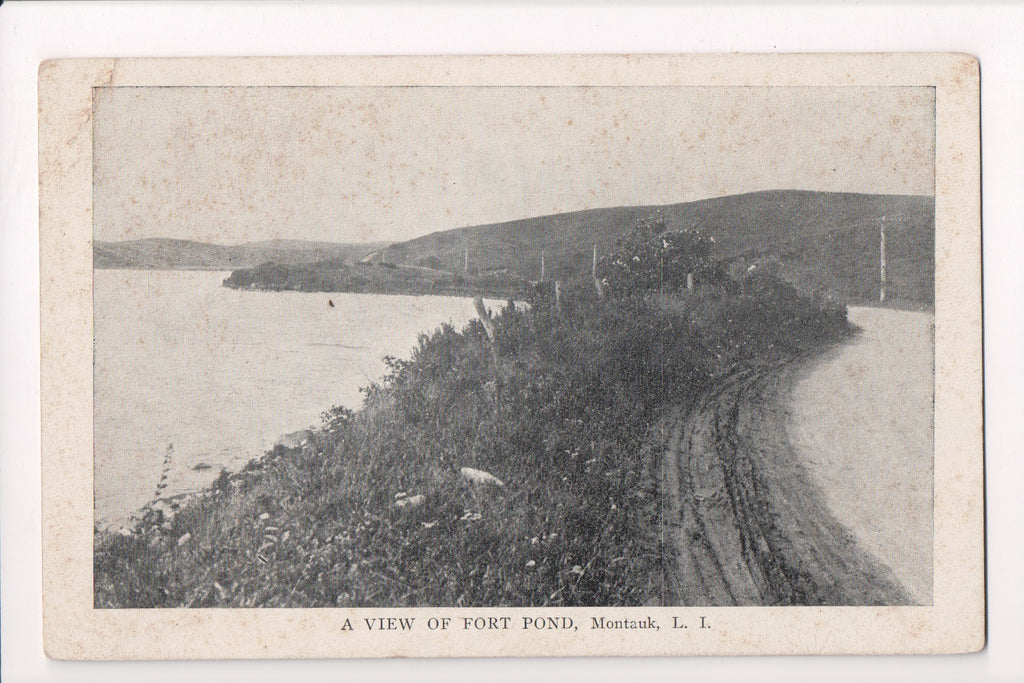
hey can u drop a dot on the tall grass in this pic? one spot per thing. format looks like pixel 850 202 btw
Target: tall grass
pixel 559 411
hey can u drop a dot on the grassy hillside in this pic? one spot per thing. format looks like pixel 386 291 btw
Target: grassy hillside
pixel 174 254
pixel 822 242
pixel 556 401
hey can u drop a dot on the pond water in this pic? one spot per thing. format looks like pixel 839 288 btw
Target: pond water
pixel 863 421
pixel 188 370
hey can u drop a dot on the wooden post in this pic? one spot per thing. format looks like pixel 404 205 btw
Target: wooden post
pixel 558 295
pixel 465 263
pixel 593 273
pixel 542 266
pixel 881 248
pixel 689 281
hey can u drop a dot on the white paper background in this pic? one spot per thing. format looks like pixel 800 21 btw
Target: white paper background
pixel 31 32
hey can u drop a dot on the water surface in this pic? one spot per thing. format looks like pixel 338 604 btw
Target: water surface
pixel 862 420
pixel 218 375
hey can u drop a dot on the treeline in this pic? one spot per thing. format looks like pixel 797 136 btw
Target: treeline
pixel 375 278
pixel 555 400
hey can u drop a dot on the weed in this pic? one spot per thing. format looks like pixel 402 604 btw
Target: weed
pixel 561 420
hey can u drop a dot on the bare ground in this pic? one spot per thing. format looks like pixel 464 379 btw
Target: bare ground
pixel 742 521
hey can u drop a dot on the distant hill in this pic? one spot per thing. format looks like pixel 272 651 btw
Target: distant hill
pixel 823 242
pixel 174 254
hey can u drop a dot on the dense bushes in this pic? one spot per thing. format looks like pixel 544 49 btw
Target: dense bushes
pixel 559 410
pixel 654 260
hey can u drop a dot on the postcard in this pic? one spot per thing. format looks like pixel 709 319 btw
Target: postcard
pixel 511 356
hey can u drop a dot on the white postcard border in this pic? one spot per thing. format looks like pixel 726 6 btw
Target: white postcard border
pixel 73 629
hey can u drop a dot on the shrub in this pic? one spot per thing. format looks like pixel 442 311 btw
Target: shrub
pixel 655 260
pixel 559 411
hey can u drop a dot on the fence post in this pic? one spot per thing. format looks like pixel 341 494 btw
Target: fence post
pixel 593 273
pixel 881 249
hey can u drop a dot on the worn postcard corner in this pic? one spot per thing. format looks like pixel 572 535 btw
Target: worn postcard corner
pixel 511 356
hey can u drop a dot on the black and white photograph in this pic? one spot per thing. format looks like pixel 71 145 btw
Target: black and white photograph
pixel 513 346
pixel 435 356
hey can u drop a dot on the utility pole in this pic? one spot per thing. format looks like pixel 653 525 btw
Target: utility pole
pixel 881 247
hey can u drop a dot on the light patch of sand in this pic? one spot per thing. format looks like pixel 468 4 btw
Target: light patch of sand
pixel 863 420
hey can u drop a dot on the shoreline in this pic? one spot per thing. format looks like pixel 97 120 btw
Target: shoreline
pixel 877 486
pixel 517 297
pixel 896 305
pixel 553 402
pixel 789 483
pixel 749 525
pixel 186 481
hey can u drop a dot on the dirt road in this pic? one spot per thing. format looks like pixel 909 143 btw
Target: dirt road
pixel 743 521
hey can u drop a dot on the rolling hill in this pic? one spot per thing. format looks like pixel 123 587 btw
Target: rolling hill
pixel 175 254
pixel 823 242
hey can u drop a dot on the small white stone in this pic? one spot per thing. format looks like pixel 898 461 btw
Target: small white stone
pixel 474 476
pixel 410 502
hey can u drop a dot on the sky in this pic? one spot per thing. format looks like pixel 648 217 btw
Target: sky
pixel 353 164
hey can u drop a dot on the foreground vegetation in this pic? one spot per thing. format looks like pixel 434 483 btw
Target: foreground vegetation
pixel 374 509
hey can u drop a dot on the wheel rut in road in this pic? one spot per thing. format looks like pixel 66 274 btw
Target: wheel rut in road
pixel 742 522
